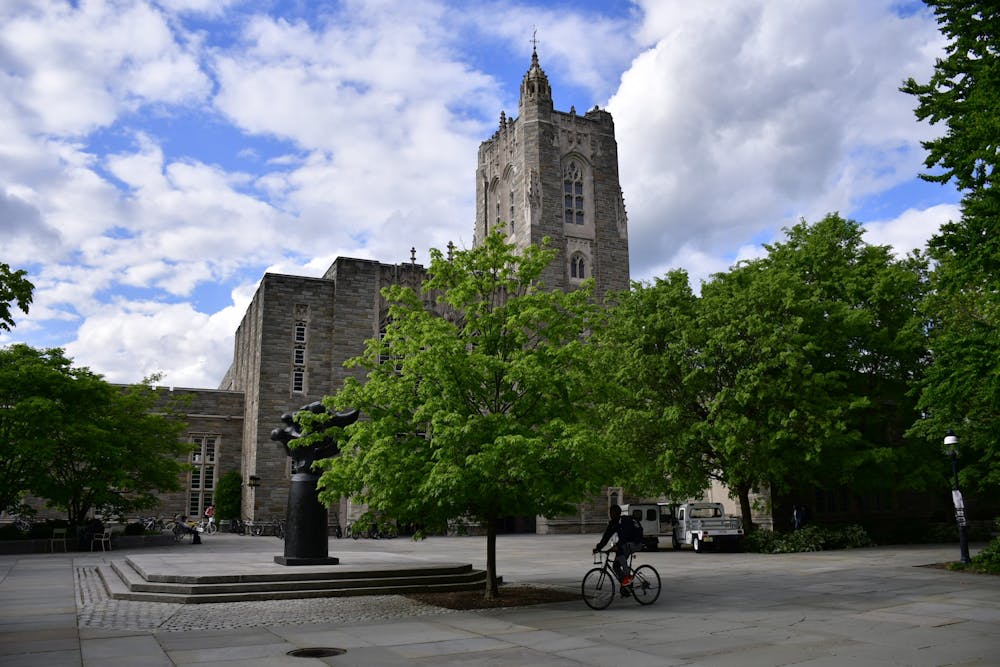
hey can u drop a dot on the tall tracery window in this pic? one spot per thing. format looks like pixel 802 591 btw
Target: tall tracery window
pixel 202 481
pixel 299 357
pixel 578 266
pixel 573 194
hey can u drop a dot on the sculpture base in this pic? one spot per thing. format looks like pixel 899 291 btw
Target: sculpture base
pixel 289 560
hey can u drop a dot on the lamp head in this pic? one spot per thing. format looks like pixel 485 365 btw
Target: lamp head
pixel 951 443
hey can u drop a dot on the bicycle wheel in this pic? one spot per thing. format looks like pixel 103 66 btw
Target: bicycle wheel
pixel 646 584
pixel 212 528
pixel 599 588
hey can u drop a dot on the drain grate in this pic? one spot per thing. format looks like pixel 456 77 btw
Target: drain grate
pixel 316 652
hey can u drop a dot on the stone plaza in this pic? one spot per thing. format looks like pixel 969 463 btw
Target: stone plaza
pixel 873 606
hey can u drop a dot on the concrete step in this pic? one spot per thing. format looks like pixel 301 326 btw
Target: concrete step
pixel 125 582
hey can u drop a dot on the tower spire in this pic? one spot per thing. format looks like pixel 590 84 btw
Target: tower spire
pixel 535 90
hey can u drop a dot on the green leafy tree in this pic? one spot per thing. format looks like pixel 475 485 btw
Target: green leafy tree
pixel 817 343
pixel 28 377
pixel 961 389
pixel 649 349
pixel 81 443
pixel 14 289
pixel 228 496
pixel 791 368
pixel 478 398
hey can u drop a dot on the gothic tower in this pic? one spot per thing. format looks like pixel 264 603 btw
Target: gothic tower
pixel 555 174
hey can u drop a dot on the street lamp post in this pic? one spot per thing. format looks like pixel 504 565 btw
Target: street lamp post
pixel 951 449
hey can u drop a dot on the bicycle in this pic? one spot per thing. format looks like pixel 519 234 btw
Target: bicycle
pixel 153 524
pixel 206 526
pixel 22 523
pixel 600 585
pixel 180 529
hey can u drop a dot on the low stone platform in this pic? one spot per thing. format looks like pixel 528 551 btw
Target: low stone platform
pixel 248 578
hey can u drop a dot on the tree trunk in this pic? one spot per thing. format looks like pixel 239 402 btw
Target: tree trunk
pixel 492 590
pixel 745 509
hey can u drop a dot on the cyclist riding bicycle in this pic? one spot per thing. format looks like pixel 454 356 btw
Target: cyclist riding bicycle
pixel 629 534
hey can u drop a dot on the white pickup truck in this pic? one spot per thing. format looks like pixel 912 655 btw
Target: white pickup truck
pixel 704 525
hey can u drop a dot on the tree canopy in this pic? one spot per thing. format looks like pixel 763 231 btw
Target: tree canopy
pixel 961 389
pixel 14 289
pixel 79 442
pixel 478 399
pixel 788 369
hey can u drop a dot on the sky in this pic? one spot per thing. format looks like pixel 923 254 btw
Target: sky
pixel 157 157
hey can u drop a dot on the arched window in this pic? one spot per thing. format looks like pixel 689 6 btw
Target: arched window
pixel 573 194
pixel 578 267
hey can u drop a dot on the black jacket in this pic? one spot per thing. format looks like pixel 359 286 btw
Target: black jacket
pixel 614 528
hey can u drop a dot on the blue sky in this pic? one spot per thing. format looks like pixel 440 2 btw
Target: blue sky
pixel 158 156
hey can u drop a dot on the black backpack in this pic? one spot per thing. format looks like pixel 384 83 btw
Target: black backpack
pixel 629 530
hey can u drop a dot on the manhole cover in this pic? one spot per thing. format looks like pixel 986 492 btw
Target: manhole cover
pixel 316 652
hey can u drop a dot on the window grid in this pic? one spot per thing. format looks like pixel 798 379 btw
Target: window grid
pixel 202 479
pixel 573 199
pixel 299 357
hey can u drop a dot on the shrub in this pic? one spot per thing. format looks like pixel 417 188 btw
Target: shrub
pixel 988 560
pixel 810 538
pixel 760 541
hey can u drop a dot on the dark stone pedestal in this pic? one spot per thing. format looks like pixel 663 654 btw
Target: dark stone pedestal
pixel 306 541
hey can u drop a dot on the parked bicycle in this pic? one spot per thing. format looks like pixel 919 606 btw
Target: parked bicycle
pixel 152 524
pixel 383 532
pixel 180 527
pixel 601 585
pixel 22 523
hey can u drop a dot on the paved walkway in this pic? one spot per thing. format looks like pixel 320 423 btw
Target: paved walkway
pixel 862 607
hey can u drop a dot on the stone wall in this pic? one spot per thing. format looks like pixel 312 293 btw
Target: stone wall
pixel 208 412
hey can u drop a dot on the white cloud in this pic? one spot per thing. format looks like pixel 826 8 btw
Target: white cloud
pixel 746 115
pixel 384 112
pixel 361 121
pixel 911 229
pixel 127 341
pixel 74 69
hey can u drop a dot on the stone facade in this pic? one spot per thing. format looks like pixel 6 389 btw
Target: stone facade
pixel 554 174
pixel 290 350
pixel 209 414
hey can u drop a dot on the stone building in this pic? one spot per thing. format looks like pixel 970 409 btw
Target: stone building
pixel 554 174
pixel 545 173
